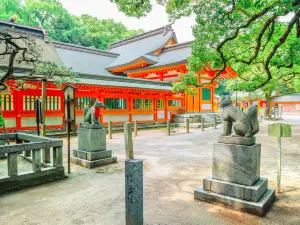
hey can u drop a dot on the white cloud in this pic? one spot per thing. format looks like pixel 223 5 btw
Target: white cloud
pixel 104 9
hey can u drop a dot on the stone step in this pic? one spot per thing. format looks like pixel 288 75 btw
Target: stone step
pixel 250 193
pixel 259 208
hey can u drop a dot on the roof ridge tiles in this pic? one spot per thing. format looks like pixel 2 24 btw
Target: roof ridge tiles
pixel 147 34
pixel 177 46
pixel 20 26
pixel 80 48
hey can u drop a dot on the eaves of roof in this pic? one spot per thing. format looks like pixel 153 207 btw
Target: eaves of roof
pixel 117 81
pixel 144 58
pixel 155 67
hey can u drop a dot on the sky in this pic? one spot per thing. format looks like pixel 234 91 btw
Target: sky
pixel 104 9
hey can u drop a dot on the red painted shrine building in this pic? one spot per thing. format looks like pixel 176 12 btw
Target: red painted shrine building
pixel 133 78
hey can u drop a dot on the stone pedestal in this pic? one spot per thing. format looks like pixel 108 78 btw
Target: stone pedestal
pixel 236 181
pixel 92 150
pixel 2 155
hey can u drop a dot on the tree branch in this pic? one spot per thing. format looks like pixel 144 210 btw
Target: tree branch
pixel 276 46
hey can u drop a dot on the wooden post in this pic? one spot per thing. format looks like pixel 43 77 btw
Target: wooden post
pixel 135 128
pixel 187 124
pixel 46 151
pixel 168 128
pixel 110 129
pixel 69 132
pixel 128 140
pixel 278 154
pixel 215 122
pixel 202 123
pixel 279 130
pixel 44 99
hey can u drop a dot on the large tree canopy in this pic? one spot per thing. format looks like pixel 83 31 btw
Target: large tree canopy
pixel 248 35
pixel 62 26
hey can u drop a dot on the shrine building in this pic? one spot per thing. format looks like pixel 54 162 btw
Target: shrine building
pixel 133 78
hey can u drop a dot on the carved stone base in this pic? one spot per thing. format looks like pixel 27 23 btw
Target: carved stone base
pixel 90 126
pixel 236 140
pixel 259 208
pixel 95 163
pixel 238 164
pixel 250 193
pixel 91 139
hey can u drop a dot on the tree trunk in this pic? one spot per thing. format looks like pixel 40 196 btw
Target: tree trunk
pixel 268 109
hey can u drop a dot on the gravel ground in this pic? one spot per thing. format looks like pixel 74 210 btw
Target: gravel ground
pixel 173 167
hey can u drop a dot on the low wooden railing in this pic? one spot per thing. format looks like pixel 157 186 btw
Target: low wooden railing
pixel 27 143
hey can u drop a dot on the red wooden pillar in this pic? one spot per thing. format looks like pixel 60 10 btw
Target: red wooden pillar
pixel 130 106
pixel 166 107
pixel 101 98
pixel 155 107
pixel 18 96
pixel 213 97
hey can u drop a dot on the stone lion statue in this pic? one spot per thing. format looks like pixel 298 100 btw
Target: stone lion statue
pixel 243 124
pixel 91 115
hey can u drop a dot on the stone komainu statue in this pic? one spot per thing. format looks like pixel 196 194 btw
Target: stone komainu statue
pixel 91 115
pixel 243 124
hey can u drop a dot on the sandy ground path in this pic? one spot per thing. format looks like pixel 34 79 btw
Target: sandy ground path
pixel 173 167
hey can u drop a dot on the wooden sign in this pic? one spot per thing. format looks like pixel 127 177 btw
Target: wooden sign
pixel 280 130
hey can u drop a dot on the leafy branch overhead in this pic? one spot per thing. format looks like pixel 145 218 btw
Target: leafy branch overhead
pixel 243 34
pixel 22 52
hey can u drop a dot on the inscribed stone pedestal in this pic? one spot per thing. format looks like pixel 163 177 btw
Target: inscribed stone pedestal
pixel 236 163
pixel 91 139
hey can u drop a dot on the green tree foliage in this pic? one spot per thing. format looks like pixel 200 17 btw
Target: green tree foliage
pixel 248 35
pixel 84 30
pixel 222 89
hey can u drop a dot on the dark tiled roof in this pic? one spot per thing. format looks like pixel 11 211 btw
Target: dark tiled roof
pixel 141 46
pixel 85 60
pixel 288 98
pixel 171 55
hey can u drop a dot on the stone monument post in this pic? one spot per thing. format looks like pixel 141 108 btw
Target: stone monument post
pixel 92 150
pixel 235 180
pixel 134 202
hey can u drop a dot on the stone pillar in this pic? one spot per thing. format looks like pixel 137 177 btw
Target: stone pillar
pixel 2 155
pixel 202 123
pixel 187 124
pixel 135 128
pixel 110 129
pixel 134 192
pixel 168 128
pixel 46 151
pixel 128 140
pixel 12 164
pixel 27 153
pixel 36 160
pixel 57 157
